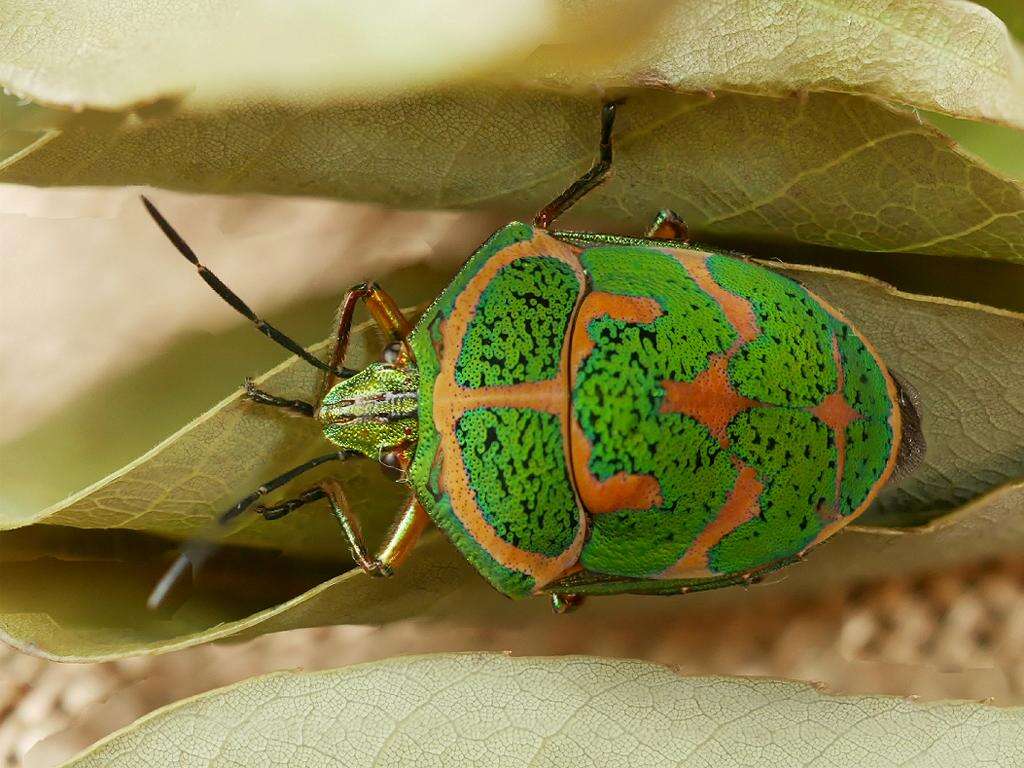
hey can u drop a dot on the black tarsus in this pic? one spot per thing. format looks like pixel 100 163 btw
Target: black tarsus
pixel 233 299
pixel 301 407
pixel 278 511
pixel 197 551
pixel 589 180
pixel 277 482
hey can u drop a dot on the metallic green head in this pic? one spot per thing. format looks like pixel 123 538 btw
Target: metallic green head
pixel 373 412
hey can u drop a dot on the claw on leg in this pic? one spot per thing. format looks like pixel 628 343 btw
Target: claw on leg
pixel 668 225
pixel 565 602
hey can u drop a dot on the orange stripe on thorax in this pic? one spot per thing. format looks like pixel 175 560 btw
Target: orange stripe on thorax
pixel 547 396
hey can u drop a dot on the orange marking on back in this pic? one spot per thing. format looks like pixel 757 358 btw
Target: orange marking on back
pixel 837 414
pixel 629 309
pixel 741 506
pixel 620 491
pixel 738 311
pixel 452 400
pixel 895 423
pixel 709 398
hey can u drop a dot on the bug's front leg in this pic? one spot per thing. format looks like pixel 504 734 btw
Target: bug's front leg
pixel 388 316
pixel 299 407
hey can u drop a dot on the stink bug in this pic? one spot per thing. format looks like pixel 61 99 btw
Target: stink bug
pixel 593 414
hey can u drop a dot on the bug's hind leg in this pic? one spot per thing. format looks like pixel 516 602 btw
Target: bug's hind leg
pixel 588 181
pixel 668 225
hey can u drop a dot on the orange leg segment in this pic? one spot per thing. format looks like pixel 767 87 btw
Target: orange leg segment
pixel 387 314
pixel 399 544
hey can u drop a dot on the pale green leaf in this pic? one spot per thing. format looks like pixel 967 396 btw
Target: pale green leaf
pixel 965 359
pixel 1000 147
pixel 944 55
pixel 492 710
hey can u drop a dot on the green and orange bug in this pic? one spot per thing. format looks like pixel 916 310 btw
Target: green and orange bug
pixel 595 414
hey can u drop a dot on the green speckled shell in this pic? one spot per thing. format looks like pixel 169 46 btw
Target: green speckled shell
pixel 637 417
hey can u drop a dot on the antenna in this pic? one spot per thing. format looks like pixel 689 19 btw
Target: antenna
pixel 233 299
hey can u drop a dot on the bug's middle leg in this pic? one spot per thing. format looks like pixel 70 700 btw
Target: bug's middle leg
pixel 400 542
pixel 566 602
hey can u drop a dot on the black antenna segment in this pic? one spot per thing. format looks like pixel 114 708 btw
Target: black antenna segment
pixel 232 298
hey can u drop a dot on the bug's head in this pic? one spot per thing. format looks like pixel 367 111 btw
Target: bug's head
pixel 374 411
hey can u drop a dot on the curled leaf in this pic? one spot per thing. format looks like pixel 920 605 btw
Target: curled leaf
pixel 844 171
pixel 114 537
pixel 814 83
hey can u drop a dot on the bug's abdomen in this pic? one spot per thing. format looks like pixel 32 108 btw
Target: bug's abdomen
pixel 723 417
pixel 493 467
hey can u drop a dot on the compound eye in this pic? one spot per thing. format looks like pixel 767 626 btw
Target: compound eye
pixel 390 465
pixel 392 352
